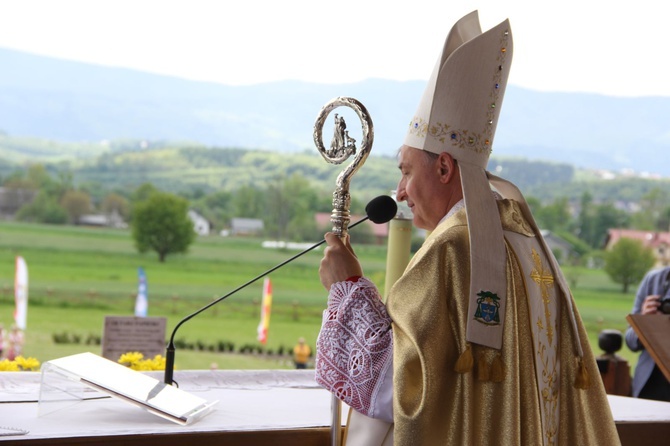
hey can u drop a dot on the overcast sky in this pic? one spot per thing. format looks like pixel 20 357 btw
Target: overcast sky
pixel 615 47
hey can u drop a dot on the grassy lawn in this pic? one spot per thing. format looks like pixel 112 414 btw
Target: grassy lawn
pixel 80 275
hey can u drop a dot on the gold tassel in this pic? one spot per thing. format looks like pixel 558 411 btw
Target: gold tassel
pixel 482 369
pixel 465 361
pixel 497 369
pixel 582 380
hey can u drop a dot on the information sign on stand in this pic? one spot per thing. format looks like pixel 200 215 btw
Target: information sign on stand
pixel 124 334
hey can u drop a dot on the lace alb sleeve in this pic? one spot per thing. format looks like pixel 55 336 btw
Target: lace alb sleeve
pixel 355 347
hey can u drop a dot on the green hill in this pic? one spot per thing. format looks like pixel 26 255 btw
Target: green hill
pixel 192 170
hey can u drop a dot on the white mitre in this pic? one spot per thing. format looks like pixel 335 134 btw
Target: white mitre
pixel 458 114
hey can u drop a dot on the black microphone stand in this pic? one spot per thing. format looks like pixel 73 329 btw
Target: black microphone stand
pixel 170 352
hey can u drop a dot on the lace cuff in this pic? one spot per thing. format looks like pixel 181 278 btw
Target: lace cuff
pixel 355 345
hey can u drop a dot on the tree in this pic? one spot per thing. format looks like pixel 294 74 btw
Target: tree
pixel 143 192
pixel 277 209
pixel 606 217
pixel 585 219
pixel 249 202
pixel 628 261
pixel 651 207
pixel 554 216
pixel 596 219
pixel 216 207
pixel 38 175
pixel 139 195
pixel 43 209
pixel 160 223
pixel 534 203
pixel 290 208
pixel 115 203
pixel 664 220
pixel 76 203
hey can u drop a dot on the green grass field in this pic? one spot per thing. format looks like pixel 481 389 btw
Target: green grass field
pixel 80 275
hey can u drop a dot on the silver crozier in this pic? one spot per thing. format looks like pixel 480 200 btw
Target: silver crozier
pixel 342 146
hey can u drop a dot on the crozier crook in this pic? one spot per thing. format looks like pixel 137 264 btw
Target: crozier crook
pixel 342 146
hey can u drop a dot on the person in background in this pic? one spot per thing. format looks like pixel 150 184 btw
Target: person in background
pixel 648 380
pixel 479 341
pixel 301 354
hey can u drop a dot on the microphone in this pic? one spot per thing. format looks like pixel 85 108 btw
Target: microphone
pixel 379 210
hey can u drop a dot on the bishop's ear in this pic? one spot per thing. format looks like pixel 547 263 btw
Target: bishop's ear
pixel 447 166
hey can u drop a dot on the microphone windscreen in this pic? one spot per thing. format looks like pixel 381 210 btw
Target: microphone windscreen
pixel 381 209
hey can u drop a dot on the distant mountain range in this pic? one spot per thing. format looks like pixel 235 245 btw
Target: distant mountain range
pixel 71 101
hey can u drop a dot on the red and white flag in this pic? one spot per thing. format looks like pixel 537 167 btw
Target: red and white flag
pixel 265 311
pixel 21 293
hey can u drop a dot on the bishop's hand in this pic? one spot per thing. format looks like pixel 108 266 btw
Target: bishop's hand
pixel 339 261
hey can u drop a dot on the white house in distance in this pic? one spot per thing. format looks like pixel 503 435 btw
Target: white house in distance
pixel 111 220
pixel 246 226
pixel 201 225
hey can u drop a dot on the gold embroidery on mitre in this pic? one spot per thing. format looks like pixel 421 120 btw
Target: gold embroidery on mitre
pixel 418 126
pixel 463 139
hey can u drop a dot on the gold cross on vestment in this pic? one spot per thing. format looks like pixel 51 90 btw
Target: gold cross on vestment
pixel 543 278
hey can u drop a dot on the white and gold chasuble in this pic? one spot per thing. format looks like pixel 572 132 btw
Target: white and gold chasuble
pixel 535 402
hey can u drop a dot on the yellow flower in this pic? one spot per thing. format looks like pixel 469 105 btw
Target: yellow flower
pixel 27 363
pixel 136 361
pixel 8 366
pixel 19 364
pixel 157 363
pixel 130 358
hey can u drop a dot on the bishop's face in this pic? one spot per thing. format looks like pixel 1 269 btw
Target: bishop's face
pixel 421 187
